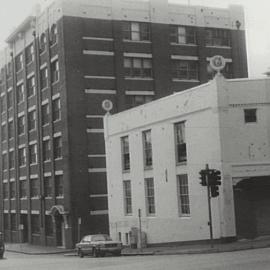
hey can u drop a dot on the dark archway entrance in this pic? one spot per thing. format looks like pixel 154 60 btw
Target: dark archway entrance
pixel 252 207
pixel 60 223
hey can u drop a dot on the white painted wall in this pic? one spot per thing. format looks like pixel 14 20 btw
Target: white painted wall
pixel 215 134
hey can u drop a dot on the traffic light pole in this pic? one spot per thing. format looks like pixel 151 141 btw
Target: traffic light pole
pixel 209 207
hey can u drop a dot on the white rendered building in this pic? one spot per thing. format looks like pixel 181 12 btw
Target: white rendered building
pixel 155 153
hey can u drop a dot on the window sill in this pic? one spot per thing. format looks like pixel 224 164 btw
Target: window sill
pixel 31 130
pixel 183 44
pixel 125 171
pixel 47 124
pixel 31 96
pixel 19 70
pixel 60 158
pixel 33 164
pixel 139 78
pixel 151 215
pixel 21 102
pixel 183 163
pixel 42 53
pixel 138 41
pixel 48 198
pixel 22 134
pixel 22 166
pixel 56 82
pixel 184 216
pixel 57 120
pixel 44 88
pixel 47 161
pixel 23 198
pixel 60 197
pixel 218 47
pixel 28 64
pixel 185 80
pixel 52 45
pixel 35 197
pixel 148 168
pixel 128 215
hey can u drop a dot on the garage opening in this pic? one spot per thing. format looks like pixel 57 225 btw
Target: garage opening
pixel 252 207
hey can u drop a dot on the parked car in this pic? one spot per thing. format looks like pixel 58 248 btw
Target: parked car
pixel 2 246
pixel 98 245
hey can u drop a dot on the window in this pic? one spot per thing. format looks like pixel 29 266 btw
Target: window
pixel 53 35
pixel 13 223
pixel 20 93
pixel 127 197
pixel 217 37
pixel 136 100
pixel 11 159
pixel 48 186
pixel 3 104
pixel 48 225
pixel 4 162
pixel 250 115
pixel 228 71
pixel 147 149
pixel 150 196
pixel 125 153
pixel 182 34
pixel 34 188
pixel 5 191
pixel 180 138
pixel 12 188
pixel 9 69
pixel 183 194
pixel 29 54
pixel 185 70
pixel 59 190
pixel 10 129
pixel 46 150
pixel 30 86
pixel 4 132
pixel 45 114
pixel 42 43
pixel 57 144
pixel 55 71
pixel 136 31
pixel 22 156
pixel 33 154
pixel 35 226
pixel 43 78
pixel 9 99
pixel 32 120
pixel 21 125
pixel 23 189
pixel 138 67
pixel 56 109
pixel 19 62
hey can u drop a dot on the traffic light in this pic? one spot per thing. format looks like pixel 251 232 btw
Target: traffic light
pixel 214 181
pixel 203 174
pixel 214 191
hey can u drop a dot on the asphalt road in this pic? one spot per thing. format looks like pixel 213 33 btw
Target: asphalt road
pixel 256 259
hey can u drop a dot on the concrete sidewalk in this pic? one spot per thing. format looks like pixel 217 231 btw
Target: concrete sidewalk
pixel 260 242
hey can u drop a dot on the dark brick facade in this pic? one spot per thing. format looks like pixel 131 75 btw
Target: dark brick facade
pixel 83 152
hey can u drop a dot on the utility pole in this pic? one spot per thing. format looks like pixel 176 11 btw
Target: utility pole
pixel 140 229
pixel 209 206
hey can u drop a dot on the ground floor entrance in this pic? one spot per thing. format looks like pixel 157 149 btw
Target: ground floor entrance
pixel 252 207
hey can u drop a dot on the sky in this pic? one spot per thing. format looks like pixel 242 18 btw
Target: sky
pixel 12 12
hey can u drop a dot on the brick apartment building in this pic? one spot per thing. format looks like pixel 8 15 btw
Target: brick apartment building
pixel 58 68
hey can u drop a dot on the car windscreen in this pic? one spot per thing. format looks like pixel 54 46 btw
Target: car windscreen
pixel 101 238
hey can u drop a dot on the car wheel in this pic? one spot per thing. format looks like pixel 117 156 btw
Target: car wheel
pixel 95 253
pixel 80 253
